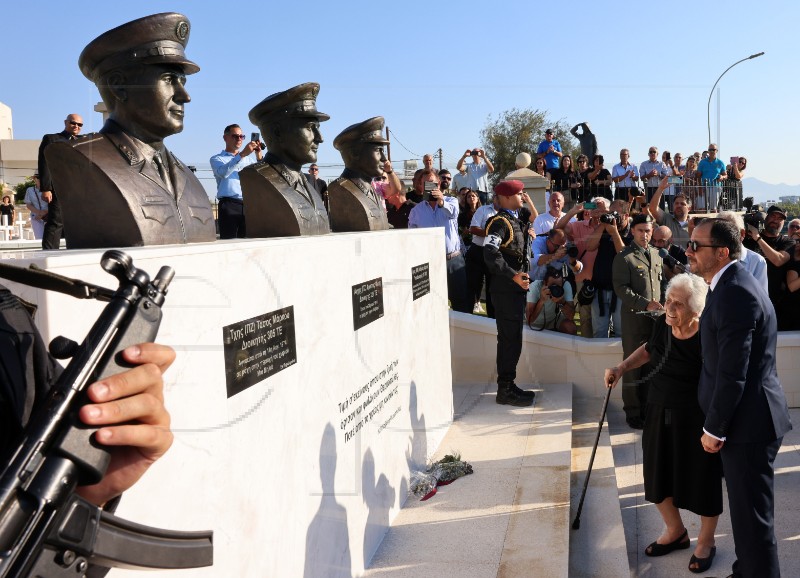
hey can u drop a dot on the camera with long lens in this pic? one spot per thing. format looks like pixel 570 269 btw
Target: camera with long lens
pixel 613 218
pixel 754 215
pixel 556 291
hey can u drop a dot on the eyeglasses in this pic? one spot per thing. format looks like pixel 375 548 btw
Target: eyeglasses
pixel 73 123
pixel 694 246
pixel 236 136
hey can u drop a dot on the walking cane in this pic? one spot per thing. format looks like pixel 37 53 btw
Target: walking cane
pixel 577 523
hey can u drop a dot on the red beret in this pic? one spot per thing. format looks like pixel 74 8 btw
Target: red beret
pixel 508 188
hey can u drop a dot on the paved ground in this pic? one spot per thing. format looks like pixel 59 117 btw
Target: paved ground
pixel 643 523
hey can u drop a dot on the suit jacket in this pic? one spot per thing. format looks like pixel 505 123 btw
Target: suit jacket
pixel 739 389
pixel 113 196
pixel 45 178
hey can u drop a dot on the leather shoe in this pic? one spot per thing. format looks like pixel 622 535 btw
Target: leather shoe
pixel 507 396
pixel 656 549
pixel 522 392
pixel 635 422
pixel 703 564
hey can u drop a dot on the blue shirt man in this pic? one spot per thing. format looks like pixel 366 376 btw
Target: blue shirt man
pixel 436 210
pixel 476 175
pixel 550 150
pixel 226 166
pixel 711 171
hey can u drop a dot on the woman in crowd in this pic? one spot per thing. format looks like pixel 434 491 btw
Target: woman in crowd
pixel 583 169
pixel 567 181
pixel 7 211
pixel 471 204
pixel 690 183
pixel 735 175
pixel 540 168
pixel 599 179
pixel 678 473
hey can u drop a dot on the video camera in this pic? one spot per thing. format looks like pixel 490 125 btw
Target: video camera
pixel 754 215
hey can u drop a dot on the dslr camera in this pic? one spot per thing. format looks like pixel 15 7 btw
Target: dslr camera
pixel 611 218
pixel 556 291
pixel 754 215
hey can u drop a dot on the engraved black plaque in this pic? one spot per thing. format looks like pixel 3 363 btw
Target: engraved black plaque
pixel 257 348
pixel 367 302
pixel 420 280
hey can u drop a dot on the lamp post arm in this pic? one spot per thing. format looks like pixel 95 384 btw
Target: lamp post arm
pixel 708 107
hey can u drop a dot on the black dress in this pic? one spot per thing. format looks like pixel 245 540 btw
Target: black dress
pixel 674 462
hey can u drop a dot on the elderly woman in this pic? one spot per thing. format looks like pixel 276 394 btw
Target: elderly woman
pixel 678 473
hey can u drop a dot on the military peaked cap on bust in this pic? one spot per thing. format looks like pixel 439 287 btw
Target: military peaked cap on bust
pixel 369 131
pixel 300 101
pixel 156 39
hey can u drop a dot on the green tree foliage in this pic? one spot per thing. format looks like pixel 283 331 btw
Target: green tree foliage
pixel 515 131
pixel 20 188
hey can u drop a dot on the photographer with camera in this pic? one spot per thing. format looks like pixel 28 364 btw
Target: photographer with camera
pixel 578 232
pixel 226 166
pixel 476 172
pixel 438 210
pixel 551 250
pixel 609 238
pixel 637 273
pixel 776 249
pixel 549 303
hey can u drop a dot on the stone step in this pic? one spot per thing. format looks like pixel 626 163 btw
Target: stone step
pixel 598 548
pixel 511 517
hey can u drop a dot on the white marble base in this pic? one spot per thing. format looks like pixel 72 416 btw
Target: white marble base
pixel 269 469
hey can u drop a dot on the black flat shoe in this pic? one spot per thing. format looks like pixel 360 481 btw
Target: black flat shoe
pixel 656 549
pixel 703 564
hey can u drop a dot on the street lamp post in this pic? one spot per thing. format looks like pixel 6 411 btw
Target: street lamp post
pixel 708 110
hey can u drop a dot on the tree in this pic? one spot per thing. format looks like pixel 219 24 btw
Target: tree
pixel 20 188
pixel 515 131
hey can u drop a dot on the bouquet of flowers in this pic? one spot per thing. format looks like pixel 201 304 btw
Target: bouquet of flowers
pixel 440 473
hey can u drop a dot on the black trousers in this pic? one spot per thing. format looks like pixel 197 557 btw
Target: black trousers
pixel 54 227
pixel 750 478
pixel 230 213
pixel 477 273
pixel 509 309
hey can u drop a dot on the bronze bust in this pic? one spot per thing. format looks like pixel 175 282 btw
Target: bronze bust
pixel 121 186
pixel 353 202
pixel 278 199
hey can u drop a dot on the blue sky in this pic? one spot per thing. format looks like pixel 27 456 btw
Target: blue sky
pixel 639 74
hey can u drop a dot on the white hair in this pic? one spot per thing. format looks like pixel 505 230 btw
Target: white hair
pixel 695 286
pixel 734 218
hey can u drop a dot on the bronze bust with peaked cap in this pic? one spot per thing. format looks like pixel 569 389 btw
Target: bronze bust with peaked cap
pixel 132 188
pixel 278 199
pixel 352 201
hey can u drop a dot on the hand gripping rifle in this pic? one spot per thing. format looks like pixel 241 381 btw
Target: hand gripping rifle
pixel 46 530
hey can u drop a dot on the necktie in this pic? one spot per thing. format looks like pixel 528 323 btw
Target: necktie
pixel 163 172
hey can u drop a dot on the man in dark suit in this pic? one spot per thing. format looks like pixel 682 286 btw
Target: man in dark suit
pixel 54 226
pixel 121 186
pixel 739 391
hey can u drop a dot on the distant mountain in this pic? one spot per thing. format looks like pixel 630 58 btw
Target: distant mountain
pixel 761 191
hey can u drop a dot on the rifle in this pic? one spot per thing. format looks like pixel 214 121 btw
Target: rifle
pixel 46 530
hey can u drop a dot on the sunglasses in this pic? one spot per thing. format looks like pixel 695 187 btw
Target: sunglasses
pixel 447 178
pixel 314 169
pixel 237 136
pixel 694 246
pixel 73 123
pixel 790 226
pixel 652 152
pixel 712 150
